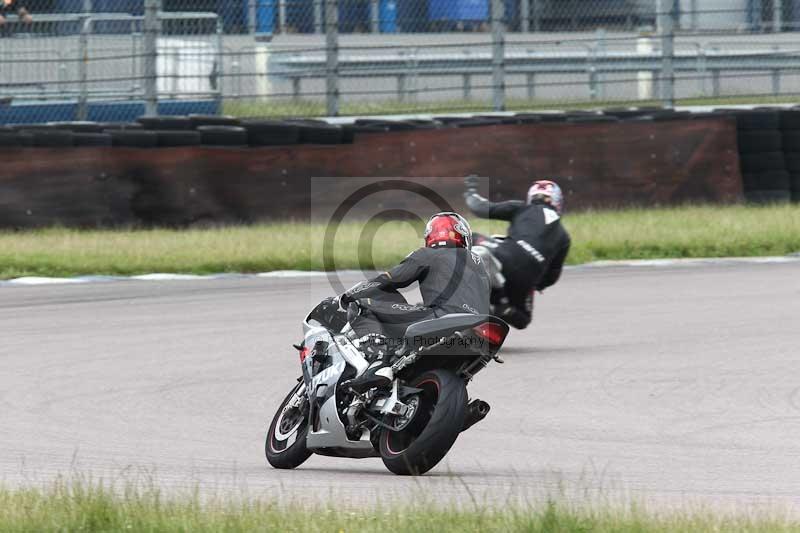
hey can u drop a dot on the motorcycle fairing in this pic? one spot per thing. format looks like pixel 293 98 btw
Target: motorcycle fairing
pixel 321 389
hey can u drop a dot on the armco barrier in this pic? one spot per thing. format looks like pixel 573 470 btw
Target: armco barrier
pixel 599 160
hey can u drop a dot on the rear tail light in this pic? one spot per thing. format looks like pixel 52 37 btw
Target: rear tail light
pixel 495 334
pixel 304 353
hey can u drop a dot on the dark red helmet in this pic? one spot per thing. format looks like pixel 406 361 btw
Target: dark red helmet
pixel 448 229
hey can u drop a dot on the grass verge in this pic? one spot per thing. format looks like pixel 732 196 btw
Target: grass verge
pixel 312 108
pixel 701 231
pixel 94 507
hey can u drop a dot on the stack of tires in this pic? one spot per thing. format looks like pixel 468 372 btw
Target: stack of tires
pixel 646 114
pixel 178 131
pixel 790 131
pixel 763 167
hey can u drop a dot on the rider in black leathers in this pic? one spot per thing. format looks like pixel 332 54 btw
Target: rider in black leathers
pixel 451 280
pixel 533 254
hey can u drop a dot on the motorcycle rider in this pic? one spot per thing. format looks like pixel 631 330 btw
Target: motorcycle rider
pixel 533 254
pixel 451 280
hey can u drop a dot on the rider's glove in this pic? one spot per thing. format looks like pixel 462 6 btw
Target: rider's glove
pixel 344 300
pixel 473 200
pixel 471 183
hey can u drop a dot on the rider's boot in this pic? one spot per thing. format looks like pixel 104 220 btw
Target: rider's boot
pixel 379 373
pixel 493 266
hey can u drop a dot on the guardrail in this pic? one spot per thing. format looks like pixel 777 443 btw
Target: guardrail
pixel 703 62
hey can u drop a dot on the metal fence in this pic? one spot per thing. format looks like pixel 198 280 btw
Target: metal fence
pixel 117 59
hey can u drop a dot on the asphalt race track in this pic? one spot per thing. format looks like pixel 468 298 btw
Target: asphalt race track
pixel 671 384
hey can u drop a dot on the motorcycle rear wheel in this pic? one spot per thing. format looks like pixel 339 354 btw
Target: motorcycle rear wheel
pixel 286 438
pixel 434 428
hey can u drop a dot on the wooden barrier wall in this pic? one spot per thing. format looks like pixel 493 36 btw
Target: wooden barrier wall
pixel 599 165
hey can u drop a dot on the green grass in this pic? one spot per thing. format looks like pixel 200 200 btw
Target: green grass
pixel 288 108
pixel 686 232
pixel 600 235
pixel 95 508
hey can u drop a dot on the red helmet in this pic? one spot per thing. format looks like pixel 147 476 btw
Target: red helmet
pixel 448 229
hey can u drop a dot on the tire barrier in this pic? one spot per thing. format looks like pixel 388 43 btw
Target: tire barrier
pixel 177 137
pixel 79 127
pixel 133 137
pixel 598 119
pixel 762 162
pixel 769 146
pixel 92 139
pixel 165 123
pixel 257 170
pixel 790 129
pixel 760 141
pixel 50 138
pixel 213 120
pixel 223 135
pixel 318 132
pixel 10 138
pixel 120 126
pixel 757 135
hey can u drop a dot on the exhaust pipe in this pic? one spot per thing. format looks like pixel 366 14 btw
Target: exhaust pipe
pixel 476 411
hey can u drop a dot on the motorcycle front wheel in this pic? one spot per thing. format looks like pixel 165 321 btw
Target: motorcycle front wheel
pixel 286 437
pixel 429 433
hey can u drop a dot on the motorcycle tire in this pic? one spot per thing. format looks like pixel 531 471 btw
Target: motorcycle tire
pixel 432 430
pixel 291 451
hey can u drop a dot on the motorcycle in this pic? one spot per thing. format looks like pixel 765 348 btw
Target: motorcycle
pixel 411 426
pixel 483 245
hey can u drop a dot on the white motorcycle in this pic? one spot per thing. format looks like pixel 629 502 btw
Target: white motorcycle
pixel 411 426
pixel 484 246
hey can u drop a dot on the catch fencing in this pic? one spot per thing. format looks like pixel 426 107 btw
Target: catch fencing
pixel 118 59
pixel 107 66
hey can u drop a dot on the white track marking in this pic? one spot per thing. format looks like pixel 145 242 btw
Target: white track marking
pixel 32 280
pixel 642 263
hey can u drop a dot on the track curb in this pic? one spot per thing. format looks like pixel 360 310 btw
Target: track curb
pixel 163 277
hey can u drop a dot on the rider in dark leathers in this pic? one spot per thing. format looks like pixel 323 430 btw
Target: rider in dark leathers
pixel 533 255
pixel 451 280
